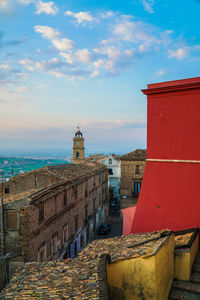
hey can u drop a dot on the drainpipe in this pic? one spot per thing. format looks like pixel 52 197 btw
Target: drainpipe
pixel 3 235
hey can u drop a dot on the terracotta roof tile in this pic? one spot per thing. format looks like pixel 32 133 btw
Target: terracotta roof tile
pixel 83 277
pixel 138 154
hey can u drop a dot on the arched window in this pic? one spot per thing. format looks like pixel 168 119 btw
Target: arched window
pixel 77 154
pixel 110 171
pixel 110 161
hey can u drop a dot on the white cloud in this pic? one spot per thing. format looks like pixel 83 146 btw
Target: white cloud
pixel 129 52
pixel 53 35
pixel 5 67
pixel 95 73
pixel 169 31
pixel 125 41
pixel 28 64
pixel 25 2
pixel 46 7
pixel 144 48
pixel 68 57
pixel 47 32
pixel 179 54
pixel 97 65
pixel 148 5
pixel 135 32
pixel 55 67
pixel 63 44
pixel 83 56
pixel 107 14
pixel 110 51
pixel 80 16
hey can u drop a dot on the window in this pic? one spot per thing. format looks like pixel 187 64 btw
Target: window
pixel 66 254
pixel 82 241
pixel 94 206
pixel 65 198
pixel 41 212
pixel 110 161
pixel 42 252
pixel 137 187
pixel 6 190
pixel 76 223
pixel 42 256
pixel 75 249
pixel 75 191
pixel 86 192
pixel 137 169
pixel 110 171
pixel 86 212
pixel 94 181
pixel 65 233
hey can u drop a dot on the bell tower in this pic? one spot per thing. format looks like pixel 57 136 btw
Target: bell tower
pixel 78 148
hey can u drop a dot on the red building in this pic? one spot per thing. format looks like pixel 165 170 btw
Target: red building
pixel 169 196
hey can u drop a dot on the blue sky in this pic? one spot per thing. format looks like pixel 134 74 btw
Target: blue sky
pixel 84 62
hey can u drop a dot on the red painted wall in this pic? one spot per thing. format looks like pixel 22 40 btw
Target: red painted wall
pixel 169 196
pixel 173 125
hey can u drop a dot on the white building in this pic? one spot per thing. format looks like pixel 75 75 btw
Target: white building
pixel 113 164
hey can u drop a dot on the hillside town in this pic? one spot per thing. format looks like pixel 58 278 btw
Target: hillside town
pixel 99 150
pixel 58 239
pixel 53 212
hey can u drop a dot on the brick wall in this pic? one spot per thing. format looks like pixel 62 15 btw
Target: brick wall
pixel 28 181
pixel 36 221
pixel 57 215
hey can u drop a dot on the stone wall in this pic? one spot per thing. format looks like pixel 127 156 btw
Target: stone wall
pixel 129 176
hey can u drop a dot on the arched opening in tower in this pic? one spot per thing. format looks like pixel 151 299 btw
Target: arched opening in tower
pixel 77 154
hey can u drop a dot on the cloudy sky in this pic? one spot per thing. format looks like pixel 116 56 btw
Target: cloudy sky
pixel 83 62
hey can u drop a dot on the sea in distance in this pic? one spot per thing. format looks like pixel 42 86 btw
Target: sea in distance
pixel 18 161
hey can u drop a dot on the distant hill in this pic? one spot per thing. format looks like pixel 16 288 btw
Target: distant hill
pixel 12 166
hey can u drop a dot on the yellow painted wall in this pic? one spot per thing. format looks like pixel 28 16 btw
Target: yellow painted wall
pixel 165 268
pixel 132 279
pixel 184 259
pixel 145 277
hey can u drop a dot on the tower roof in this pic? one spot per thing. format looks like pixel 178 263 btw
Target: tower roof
pixel 78 133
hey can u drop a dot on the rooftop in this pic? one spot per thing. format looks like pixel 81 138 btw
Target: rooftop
pixel 175 85
pixel 76 279
pixel 83 277
pixel 138 154
pixel 65 173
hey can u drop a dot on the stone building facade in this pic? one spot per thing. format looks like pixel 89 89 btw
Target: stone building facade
pixel 52 212
pixel 132 172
